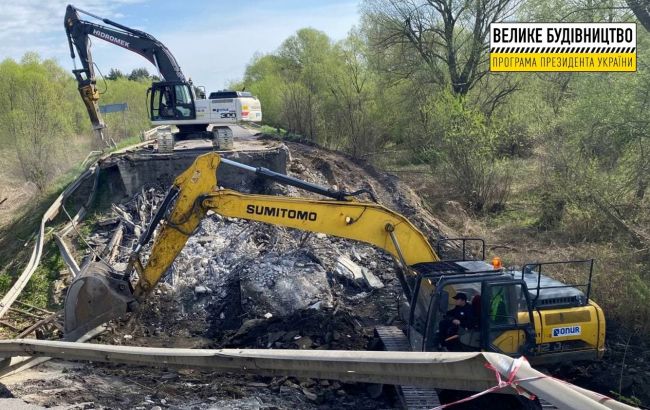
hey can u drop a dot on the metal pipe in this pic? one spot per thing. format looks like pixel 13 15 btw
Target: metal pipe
pixel 288 180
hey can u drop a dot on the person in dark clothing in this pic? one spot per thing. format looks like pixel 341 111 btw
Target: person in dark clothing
pixel 460 315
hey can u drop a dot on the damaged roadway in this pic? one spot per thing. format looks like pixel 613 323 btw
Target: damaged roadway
pixel 245 284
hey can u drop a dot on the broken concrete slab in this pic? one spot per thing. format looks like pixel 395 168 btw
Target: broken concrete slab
pixel 358 275
pixel 125 175
pixel 349 270
pixel 371 280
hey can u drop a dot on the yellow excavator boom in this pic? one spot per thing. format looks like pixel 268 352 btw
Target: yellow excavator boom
pixel 359 220
pixel 99 293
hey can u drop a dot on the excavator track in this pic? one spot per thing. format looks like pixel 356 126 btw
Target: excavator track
pixel 411 397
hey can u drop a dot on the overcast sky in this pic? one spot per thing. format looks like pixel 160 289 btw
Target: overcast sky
pixel 212 40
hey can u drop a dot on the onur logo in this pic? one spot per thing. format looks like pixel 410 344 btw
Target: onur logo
pixel 110 38
pixel 566 331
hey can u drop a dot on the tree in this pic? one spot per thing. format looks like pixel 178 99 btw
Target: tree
pixel 305 58
pixel 36 114
pixel 641 10
pixel 351 111
pixel 448 37
pixel 139 74
pixel 114 74
pixel 263 78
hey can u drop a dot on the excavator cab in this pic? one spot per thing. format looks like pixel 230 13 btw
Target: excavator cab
pixel 171 101
pixel 501 317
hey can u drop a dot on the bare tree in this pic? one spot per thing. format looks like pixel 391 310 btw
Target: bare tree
pixel 448 36
pixel 641 9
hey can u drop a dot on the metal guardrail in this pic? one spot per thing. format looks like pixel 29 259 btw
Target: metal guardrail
pixel 464 371
pixel 10 297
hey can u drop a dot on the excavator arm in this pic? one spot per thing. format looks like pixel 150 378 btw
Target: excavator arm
pixel 79 31
pixel 196 192
pixel 362 221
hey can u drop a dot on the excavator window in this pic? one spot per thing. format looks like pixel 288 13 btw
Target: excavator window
pixel 505 310
pixel 183 100
pixel 424 291
pixel 171 102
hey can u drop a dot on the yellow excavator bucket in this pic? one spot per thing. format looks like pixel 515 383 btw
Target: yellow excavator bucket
pixel 97 295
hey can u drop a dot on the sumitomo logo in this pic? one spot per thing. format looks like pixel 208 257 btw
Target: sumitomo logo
pixel 110 38
pixel 566 331
pixel 281 212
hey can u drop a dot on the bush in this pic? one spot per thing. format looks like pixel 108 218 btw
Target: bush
pixel 467 154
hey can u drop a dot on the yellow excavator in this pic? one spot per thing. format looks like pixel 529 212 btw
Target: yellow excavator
pixel 516 312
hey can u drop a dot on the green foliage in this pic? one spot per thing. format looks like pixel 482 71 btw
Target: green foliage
pixel 632 400
pixel 38 110
pixel 45 124
pixel 596 156
pixel 321 90
pixel 128 124
pixel 39 288
pixel 463 147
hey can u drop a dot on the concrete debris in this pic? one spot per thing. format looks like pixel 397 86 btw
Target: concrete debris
pixel 371 280
pixel 357 275
pixel 310 395
pixel 200 290
pixel 359 296
pixel 349 270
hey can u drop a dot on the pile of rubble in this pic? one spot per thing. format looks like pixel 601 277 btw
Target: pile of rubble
pixel 247 284
pixel 234 274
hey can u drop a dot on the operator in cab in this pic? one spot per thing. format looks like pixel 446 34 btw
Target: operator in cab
pixel 460 316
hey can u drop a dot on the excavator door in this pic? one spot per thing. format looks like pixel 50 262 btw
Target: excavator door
pixel 171 101
pixel 506 318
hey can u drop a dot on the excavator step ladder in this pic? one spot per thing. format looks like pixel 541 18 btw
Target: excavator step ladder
pixel 411 397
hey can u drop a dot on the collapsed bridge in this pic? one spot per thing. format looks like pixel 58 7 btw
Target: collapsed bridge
pixel 126 167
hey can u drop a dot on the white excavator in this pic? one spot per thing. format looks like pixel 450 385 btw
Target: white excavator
pixel 175 101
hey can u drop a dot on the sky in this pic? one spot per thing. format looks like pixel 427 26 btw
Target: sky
pixel 213 41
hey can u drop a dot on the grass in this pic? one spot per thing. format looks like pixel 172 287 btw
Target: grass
pixel 126 142
pixel 16 245
pixel 512 234
pixel 282 133
pixel 267 129
pixel 39 291
pixel 16 239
